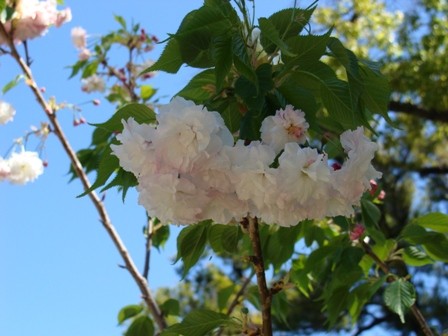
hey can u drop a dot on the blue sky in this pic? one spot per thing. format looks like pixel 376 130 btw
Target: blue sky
pixel 60 273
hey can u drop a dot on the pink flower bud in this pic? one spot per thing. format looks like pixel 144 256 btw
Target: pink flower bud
pixel 336 166
pixel 357 232
pixel 45 163
pixel 96 102
pixel 43 89
pixel 82 120
pixel 154 39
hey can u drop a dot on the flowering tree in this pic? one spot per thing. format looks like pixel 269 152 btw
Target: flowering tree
pixel 266 147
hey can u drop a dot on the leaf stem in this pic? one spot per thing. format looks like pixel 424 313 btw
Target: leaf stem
pixel 258 263
pixel 77 166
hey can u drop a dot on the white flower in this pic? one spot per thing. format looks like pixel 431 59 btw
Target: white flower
pixel 172 198
pixel 93 83
pixel 79 38
pixel 304 173
pixel 353 179
pixel 253 180
pixel 32 18
pixel 24 167
pixel 287 125
pixel 7 112
pixel 188 133
pixel 136 148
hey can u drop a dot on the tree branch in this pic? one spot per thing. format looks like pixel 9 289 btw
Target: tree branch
pixel 414 309
pixel 417 111
pixel 257 261
pixel 104 217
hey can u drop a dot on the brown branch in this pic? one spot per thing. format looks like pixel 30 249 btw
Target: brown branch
pixel 257 261
pixel 417 111
pixel 104 217
pixel 414 309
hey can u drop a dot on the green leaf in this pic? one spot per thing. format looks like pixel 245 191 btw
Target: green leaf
pixel 229 110
pixel 196 33
pixel 362 294
pixel 434 243
pixel 241 58
pixel 435 221
pixel 90 69
pixel 413 256
pixel 281 244
pixel 170 60
pixel 222 56
pixel 147 91
pixel 290 21
pixel 142 325
pixel 376 91
pixel 12 84
pixel 371 216
pixel 224 296
pixel 107 166
pixel 121 21
pixel 399 296
pixel 140 112
pixel 77 67
pixel 270 33
pixel 350 62
pixel 2 5
pixel 191 244
pixel 332 92
pixel 308 49
pixel 224 238
pixel 200 322
pixel 128 312
pixel 123 180
pixel 170 307
pixel 200 88
pixel 160 237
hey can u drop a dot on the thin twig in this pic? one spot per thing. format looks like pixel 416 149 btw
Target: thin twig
pixel 414 309
pixel 149 233
pixel 104 217
pixel 257 261
pixel 239 294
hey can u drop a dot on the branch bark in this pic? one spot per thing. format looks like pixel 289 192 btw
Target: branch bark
pixel 99 205
pixel 417 111
pixel 258 262
pixel 414 309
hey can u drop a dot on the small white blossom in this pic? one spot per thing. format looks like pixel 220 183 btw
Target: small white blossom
pixel 188 133
pixel 136 148
pixel 79 38
pixel 287 125
pixel 7 112
pixel 24 167
pixel 93 83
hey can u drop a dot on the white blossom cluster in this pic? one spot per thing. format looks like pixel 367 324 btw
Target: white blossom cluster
pixel 21 167
pixel 32 18
pixel 189 169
